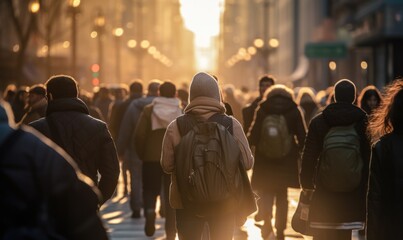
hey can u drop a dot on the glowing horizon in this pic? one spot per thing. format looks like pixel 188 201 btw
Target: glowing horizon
pixel 202 17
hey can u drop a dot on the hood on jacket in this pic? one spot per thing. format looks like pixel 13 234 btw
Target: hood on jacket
pixel 66 104
pixel 204 85
pixel 278 99
pixel 165 110
pixel 342 113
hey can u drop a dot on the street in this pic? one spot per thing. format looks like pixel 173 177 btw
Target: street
pixel 116 214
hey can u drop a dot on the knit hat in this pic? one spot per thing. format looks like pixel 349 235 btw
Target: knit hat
pixel 344 91
pixel 204 85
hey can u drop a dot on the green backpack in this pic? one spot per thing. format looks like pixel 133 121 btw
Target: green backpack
pixel 340 168
pixel 275 140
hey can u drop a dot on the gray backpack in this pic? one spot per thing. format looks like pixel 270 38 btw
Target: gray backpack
pixel 340 168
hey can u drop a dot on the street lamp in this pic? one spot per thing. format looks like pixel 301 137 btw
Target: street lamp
pixel 34 6
pixel 99 25
pixel 118 32
pixel 74 10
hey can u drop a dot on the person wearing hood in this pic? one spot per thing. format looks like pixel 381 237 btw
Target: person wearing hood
pixel 149 133
pixel 272 175
pixel 334 214
pixel 204 102
pixel 86 139
pixel 126 149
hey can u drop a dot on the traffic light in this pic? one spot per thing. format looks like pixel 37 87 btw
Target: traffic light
pixel 95 74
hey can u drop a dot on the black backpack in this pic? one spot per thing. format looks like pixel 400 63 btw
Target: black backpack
pixel 207 164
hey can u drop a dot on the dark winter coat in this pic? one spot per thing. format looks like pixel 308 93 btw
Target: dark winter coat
pixel 268 173
pixel 331 207
pixel 86 139
pixel 148 143
pixel 385 192
pixel 248 113
pixel 32 169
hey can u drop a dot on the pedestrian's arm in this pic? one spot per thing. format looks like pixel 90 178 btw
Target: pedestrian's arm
pixel 108 165
pixel 168 148
pixel 301 130
pixel 240 137
pixel 125 130
pixel 140 135
pixel 374 231
pixel 310 155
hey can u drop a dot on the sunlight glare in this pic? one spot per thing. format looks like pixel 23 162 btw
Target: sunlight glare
pixel 202 17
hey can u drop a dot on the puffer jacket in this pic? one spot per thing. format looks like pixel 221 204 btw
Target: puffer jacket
pixel 284 172
pixel 33 169
pixel 385 191
pixel 344 210
pixel 86 139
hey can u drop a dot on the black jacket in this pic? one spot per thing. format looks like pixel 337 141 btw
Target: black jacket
pixel 329 206
pixel 266 172
pixel 86 139
pixel 385 192
pixel 32 170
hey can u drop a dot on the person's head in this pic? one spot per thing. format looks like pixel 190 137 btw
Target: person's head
pixel 388 117
pixel 21 97
pixel 167 89
pixel 9 92
pixel 136 87
pixel 369 99
pixel 305 95
pixel 265 82
pixel 61 86
pixel 344 91
pixel 36 93
pixel 153 87
pixel 204 85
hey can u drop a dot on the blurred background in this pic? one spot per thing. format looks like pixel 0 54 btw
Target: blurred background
pixel 302 42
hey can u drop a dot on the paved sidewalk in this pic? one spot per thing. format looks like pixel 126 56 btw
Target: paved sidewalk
pixel 116 214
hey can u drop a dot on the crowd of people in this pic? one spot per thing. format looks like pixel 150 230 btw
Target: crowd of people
pixel 62 150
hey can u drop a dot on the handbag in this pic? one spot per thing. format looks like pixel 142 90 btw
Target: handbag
pixel 300 220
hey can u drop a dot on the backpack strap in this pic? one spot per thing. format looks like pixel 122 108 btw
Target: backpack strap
pixel 224 120
pixel 186 122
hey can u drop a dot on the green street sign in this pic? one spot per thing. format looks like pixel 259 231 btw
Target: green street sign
pixel 326 50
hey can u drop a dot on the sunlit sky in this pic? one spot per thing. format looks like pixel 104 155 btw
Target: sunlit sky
pixel 202 17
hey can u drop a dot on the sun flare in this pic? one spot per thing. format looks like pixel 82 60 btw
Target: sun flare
pixel 202 17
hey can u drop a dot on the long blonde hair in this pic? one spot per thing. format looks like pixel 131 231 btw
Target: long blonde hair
pixel 386 117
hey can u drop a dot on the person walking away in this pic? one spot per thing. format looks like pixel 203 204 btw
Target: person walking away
pixel 149 133
pixel 37 104
pixel 278 133
pixel 385 190
pixel 126 148
pixel 335 165
pixel 117 112
pixel 206 107
pixel 248 112
pixel 43 194
pixel 86 139
pixel 307 102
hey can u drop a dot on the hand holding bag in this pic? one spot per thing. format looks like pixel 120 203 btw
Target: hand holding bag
pixel 300 220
